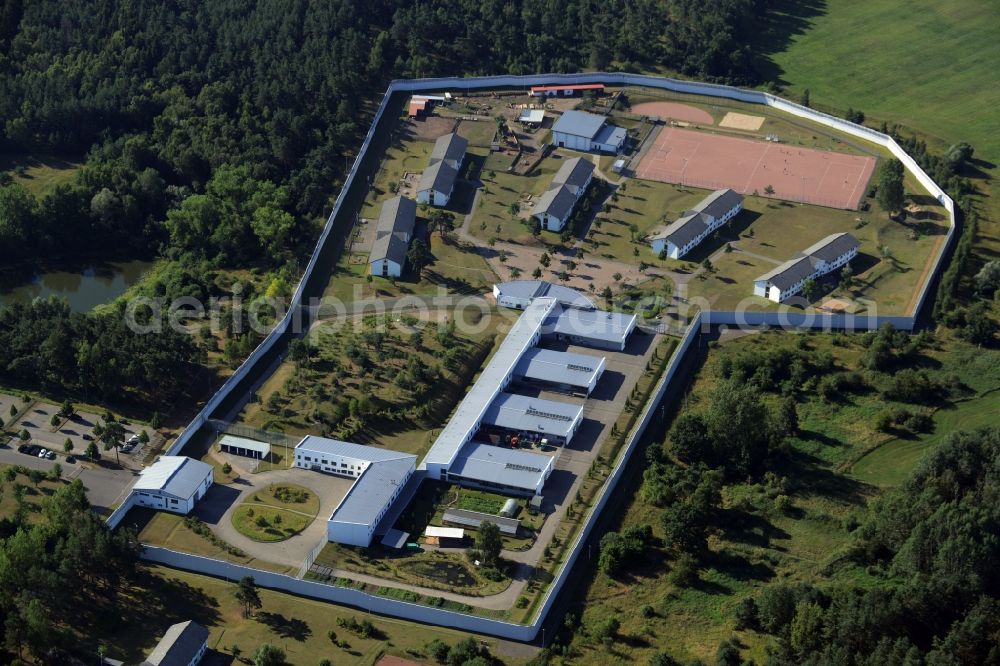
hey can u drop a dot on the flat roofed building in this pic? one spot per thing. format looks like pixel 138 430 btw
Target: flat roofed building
pixel 184 644
pixel 565 371
pixel 173 483
pixel 474 519
pixel 534 117
pixel 580 130
pixel 393 234
pixel 524 415
pixel 695 225
pixel 241 446
pixel 817 260
pixel 436 532
pixel 518 294
pixel 495 377
pixel 568 184
pixel 591 328
pixel 449 149
pixel 380 475
pixel 505 470
pixel 437 184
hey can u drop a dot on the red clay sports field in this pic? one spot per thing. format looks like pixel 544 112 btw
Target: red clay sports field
pixel 714 161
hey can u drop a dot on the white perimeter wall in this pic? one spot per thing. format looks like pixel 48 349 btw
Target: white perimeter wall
pixel 455 84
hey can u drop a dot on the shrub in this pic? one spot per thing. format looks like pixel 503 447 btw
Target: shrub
pixel 746 614
pixel 685 571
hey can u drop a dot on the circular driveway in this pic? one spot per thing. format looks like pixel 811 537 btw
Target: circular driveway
pixel 218 505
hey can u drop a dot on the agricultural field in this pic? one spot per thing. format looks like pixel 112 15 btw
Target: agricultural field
pixel 372 383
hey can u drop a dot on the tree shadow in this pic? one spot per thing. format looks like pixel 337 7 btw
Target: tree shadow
pixel 741 526
pixel 283 627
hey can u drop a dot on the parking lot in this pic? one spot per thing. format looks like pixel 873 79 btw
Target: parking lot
pixel 105 485
pixel 78 429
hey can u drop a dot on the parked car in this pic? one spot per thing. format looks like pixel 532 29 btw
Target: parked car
pixel 127 448
pixel 23 448
pixel 71 459
pixel 133 440
pixel 42 453
pixel 33 450
pixel 51 455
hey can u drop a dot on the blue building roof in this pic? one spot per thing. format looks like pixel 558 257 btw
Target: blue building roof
pixel 560 367
pixel 373 491
pixel 495 464
pixel 579 123
pixel 524 413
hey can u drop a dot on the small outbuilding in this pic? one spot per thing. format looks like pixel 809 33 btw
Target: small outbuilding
pixel 247 448
pixel 173 483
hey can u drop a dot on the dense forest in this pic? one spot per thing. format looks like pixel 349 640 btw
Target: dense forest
pixel 213 134
pixel 60 568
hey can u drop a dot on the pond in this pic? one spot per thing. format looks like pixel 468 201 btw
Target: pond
pixel 83 289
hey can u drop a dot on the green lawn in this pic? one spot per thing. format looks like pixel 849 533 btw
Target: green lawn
pixel 276 513
pixel 298 625
pixel 38 173
pixel 402 157
pixel 456 267
pixel 162 528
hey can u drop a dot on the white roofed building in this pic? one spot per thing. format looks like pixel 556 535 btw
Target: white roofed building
pixel 380 476
pixel 589 132
pixel 534 417
pixel 591 328
pixel 564 371
pixel 500 469
pixel 172 483
pixel 517 294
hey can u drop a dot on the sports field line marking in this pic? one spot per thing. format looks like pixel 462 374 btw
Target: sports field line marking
pixel 753 172
pixel 852 202
pixel 819 185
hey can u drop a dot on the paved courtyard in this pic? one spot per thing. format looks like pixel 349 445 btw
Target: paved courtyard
pixel 217 508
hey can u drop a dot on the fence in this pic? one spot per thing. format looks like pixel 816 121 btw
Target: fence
pixel 497 627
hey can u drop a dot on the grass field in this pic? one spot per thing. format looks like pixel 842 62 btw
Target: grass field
pixel 299 626
pixel 402 157
pixel 38 173
pixel 388 387
pixel 162 528
pixel 493 218
pixel 925 68
pixel 456 267
pixel 277 513
pixel 862 56
pixel 836 464
pixel 33 497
